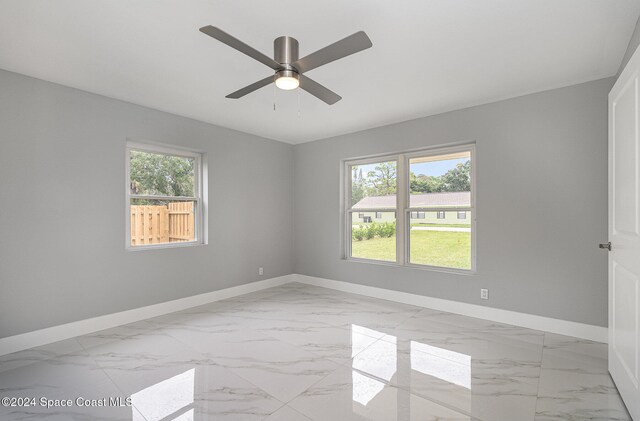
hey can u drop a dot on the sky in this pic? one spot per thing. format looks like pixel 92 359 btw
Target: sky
pixel 434 168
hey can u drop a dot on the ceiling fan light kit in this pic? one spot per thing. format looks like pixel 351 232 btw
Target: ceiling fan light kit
pixel 287 80
pixel 288 67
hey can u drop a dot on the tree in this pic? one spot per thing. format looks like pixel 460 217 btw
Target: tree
pixel 382 180
pixel 357 185
pixel 424 183
pixel 164 175
pixel 457 179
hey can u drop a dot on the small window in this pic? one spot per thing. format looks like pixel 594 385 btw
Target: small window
pixel 378 215
pixel 164 196
pixel 462 215
pixel 414 215
pixel 361 215
pixel 441 214
pixel 420 215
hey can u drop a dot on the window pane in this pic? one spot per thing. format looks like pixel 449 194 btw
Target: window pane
pixel 161 175
pixel 160 221
pixel 373 240
pixel 440 181
pixel 442 242
pixel 373 185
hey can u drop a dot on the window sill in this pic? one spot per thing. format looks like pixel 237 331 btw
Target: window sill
pixel 465 272
pixel 165 246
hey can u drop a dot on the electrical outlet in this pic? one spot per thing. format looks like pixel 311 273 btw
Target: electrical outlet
pixel 484 294
pixel 260 271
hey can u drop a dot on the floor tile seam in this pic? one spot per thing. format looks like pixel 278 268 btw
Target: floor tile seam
pixel 275 410
pixel 544 341
pixel 339 367
pixel 407 389
pixel 102 369
pixel 233 370
pixel 294 410
pixel 235 373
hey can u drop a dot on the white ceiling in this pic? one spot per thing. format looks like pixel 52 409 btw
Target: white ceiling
pixel 427 56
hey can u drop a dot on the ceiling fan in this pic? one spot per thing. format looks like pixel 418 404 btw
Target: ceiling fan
pixel 288 67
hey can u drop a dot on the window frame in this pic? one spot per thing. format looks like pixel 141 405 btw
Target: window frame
pixel 348 211
pixel 443 213
pixel 199 199
pixel 464 216
pixel 403 209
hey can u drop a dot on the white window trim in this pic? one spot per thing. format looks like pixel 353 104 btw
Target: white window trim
pixel 403 209
pixel 199 198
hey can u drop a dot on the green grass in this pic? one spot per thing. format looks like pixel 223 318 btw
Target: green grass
pixel 442 225
pixel 435 248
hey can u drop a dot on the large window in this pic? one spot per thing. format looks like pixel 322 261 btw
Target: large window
pixel 432 193
pixel 164 196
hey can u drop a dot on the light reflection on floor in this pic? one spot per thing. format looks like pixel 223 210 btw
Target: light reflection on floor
pixel 446 365
pixel 168 398
pixel 452 367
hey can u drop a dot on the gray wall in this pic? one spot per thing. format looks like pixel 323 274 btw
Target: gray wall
pixel 541 203
pixel 62 227
pixel 631 48
pixel 62 255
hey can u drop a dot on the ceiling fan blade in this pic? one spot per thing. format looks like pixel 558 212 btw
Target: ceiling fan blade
pixel 319 91
pixel 232 42
pixel 253 87
pixel 345 47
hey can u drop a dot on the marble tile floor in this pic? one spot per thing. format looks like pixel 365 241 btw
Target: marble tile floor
pixel 298 352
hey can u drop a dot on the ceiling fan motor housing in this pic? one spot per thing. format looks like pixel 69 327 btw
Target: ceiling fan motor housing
pixel 285 51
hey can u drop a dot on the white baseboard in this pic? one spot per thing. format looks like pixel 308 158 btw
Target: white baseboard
pixel 82 327
pixel 531 321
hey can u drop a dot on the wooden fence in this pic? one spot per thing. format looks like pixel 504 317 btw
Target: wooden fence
pixel 162 224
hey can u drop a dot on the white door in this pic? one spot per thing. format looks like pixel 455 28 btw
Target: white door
pixel 624 235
